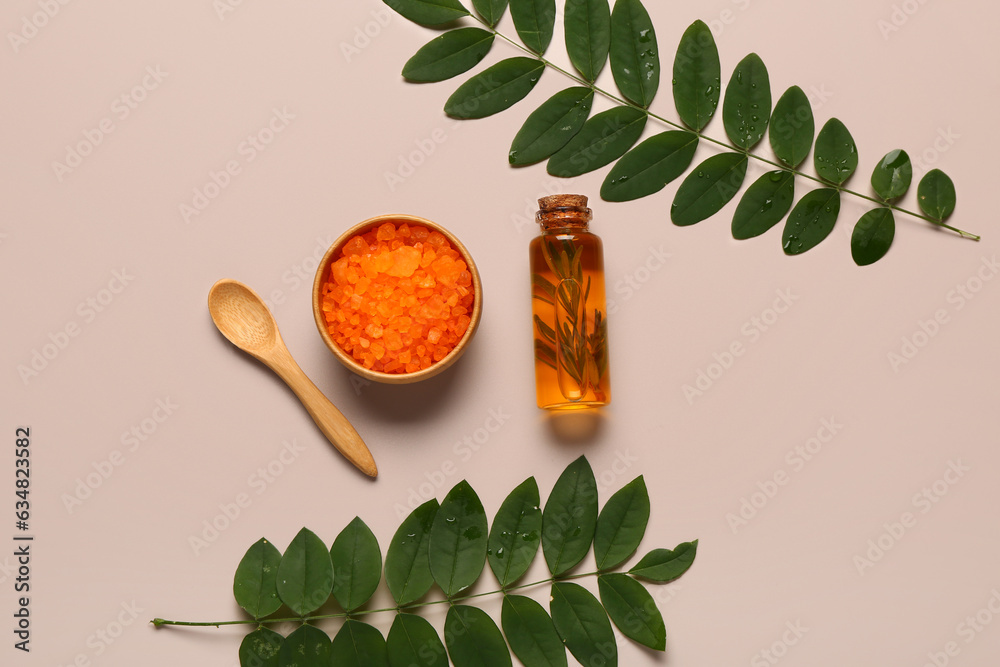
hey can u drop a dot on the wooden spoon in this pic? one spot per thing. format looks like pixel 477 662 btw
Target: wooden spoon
pixel 243 317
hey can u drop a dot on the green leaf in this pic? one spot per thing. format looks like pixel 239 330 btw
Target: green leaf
pixel 413 642
pixel 534 21
pixel 305 573
pixel 621 525
pixel 633 610
pixel 697 76
pixel 448 55
pixel 540 282
pixel 545 354
pixel 261 648
pixel 458 540
pixel 936 195
pixel 811 221
pixel 549 334
pixel 588 35
pixel 473 639
pixel 747 107
pixel 407 569
pixel 359 645
pixel 764 204
pixel 306 647
pixel 604 138
pixel 491 10
pixel 873 236
pixel 708 188
pixel 583 624
pixel 551 125
pixel 893 175
pixel 531 633
pixel 792 127
pixel 516 533
pixel 357 565
pixel 836 155
pixel 429 12
pixel 254 585
pixel 635 58
pixel 663 565
pixel 494 89
pixel 570 518
pixel 648 167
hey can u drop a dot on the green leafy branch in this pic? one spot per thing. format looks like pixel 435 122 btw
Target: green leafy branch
pixel 448 545
pixel 563 132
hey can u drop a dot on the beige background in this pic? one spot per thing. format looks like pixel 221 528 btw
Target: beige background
pixel 346 120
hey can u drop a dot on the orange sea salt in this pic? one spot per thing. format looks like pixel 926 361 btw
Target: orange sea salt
pixel 398 299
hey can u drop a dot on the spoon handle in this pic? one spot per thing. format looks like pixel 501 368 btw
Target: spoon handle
pixel 331 422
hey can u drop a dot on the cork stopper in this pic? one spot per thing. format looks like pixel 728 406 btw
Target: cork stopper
pixel 556 211
pixel 562 201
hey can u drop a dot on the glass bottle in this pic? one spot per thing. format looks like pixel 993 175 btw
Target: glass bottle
pixel 569 307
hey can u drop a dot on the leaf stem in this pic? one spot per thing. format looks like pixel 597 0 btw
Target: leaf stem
pixel 364 612
pixel 197 624
pixel 618 100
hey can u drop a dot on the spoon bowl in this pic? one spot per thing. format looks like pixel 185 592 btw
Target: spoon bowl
pixel 245 320
pixel 242 317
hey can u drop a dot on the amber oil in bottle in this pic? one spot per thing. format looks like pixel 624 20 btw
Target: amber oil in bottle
pixel 569 307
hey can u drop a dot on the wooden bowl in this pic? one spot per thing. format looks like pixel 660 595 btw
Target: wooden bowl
pixel 323 272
